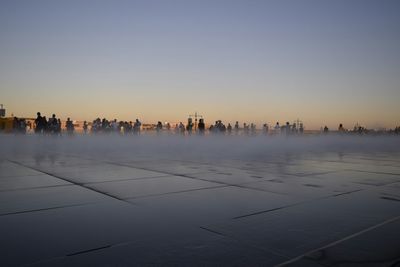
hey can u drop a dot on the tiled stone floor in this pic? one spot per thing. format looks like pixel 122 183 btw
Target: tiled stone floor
pixel 80 202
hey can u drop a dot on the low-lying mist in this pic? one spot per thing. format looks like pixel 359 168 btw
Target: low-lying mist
pixel 187 148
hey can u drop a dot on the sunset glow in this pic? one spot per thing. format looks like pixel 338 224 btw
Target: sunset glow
pixel 322 62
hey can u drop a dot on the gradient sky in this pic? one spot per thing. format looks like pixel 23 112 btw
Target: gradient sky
pixel 325 62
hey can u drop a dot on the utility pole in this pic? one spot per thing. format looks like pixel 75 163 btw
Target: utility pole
pixel 195 119
pixel 297 123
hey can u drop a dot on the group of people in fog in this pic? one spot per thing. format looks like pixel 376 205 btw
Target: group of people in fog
pixel 54 126
pixel 113 126
pixel 20 125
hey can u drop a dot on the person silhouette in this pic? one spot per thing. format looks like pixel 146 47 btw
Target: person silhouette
pixel 53 124
pixel 301 128
pixel 189 126
pixel 159 127
pixel 70 126
pixel 181 128
pixel 277 128
pixel 341 129
pixel 136 127
pixel 229 129
pixel 201 126
pixel 265 129
pixel 85 127
pixel 287 128
pixel 38 123
pixel 237 128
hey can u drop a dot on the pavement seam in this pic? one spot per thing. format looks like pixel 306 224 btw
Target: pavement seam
pixel 338 241
pixel 71 181
pixel 88 250
pixel 177 192
pixel 44 209
pixel 32 188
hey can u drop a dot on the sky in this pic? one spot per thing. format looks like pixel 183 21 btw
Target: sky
pixel 323 62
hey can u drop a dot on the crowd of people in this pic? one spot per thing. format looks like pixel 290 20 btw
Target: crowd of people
pixel 54 126
pixel 51 125
pixel 113 126
pixel 20 125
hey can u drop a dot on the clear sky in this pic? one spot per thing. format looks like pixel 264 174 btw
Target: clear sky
pixel 324 62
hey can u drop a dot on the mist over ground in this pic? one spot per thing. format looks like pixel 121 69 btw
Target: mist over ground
pixel 213 200
pixel 199 148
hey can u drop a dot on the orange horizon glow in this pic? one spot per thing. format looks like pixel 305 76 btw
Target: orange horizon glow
pixel 324 63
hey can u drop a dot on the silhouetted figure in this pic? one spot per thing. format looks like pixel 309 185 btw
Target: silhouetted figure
pixel 85 127
pixel 265 129
pixel 341 129
pixel 96 126
pixel 19 126
pixel 229 129
pixel 214 128
pixel 136 127
pixel 246 129
pixel 117 126
pixel 219 127
pixel 104 125
pixel 22 126
pixel 69 126
pixel 301 128
pixel 53 124
pixel 237 128
pixel 181 128
pixel 222 128
pixel 58 127
pixel 45 125
pixel 201 126
pixel 114 126
pixel 287 128
pixel 277 128
pixel 159 127
pixel 294 128
pixel 39 124
pixel 189 126
pixel 326 129
pixel 15 125
pixel 128 127
pixel 252 129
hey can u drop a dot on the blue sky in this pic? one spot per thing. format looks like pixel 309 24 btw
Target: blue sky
pixel 325 62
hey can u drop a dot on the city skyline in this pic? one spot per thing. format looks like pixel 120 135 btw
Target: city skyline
pixel 324 63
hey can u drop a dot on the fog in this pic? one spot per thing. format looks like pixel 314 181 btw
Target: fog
pixel 101 199
pixel 198 148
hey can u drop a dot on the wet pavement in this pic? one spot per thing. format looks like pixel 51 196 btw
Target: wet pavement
pixel 79 203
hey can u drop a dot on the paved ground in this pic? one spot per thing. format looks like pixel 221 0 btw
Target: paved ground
pixel 147 202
